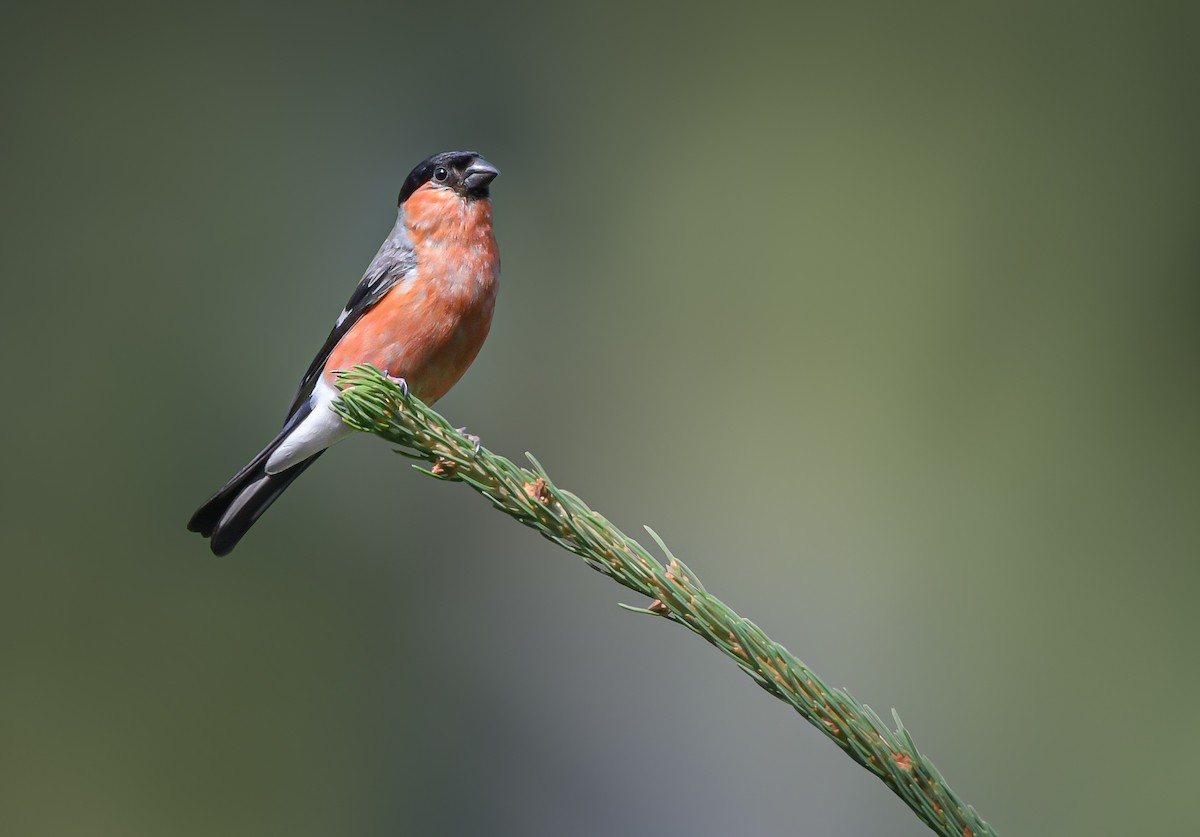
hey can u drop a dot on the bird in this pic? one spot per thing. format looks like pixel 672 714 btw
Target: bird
pixel 420 313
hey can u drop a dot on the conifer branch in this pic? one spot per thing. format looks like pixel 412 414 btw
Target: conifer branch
pixel 373 403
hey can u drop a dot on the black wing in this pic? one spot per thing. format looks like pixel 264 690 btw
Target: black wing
pixel 394 263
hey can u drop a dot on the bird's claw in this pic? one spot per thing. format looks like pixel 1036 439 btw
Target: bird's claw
pixel 472 438
pixel 400 382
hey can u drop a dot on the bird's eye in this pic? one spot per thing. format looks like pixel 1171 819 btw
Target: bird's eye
pixel 440 174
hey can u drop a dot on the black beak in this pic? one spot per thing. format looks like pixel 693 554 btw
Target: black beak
pixel 479 174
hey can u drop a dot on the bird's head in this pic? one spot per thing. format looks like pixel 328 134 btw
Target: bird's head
pixel 465 173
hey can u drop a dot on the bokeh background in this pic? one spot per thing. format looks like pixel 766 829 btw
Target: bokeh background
pixel 884 316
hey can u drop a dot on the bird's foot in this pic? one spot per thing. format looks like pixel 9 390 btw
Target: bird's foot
pixel 472 438
pixel 400 382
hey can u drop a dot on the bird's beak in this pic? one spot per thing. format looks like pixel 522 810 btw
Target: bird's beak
pixel 480 174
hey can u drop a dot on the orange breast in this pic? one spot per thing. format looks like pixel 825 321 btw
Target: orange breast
pixel 429 328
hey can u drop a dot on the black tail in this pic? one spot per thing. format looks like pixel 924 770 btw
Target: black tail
pixel 229 514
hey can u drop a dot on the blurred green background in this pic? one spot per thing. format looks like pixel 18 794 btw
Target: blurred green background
pixel 885 316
